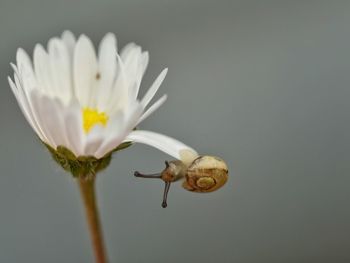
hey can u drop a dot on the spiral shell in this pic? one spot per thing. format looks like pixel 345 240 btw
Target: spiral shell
pixel 206 174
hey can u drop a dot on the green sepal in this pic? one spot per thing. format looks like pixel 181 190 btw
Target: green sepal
pixel 82 165
pixel 122 146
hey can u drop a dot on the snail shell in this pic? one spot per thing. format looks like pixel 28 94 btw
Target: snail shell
pixel 206 174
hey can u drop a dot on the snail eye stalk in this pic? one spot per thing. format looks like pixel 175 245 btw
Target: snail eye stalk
pixel 165 195
pixel 157 176
pixel 152 176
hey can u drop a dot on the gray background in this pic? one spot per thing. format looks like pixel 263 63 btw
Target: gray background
pixel 263 84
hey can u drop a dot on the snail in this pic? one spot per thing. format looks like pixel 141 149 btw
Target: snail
pixel 203 175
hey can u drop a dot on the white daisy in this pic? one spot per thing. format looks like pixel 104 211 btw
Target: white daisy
pixel 85 102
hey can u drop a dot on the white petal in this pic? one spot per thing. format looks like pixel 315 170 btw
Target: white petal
pixel 135 62
pixel 107 69
pixel 85 71
pixel 94 139
pixel 153 89
pixel 52 113
pixel 162 142
pixel 69 40
pixel 24 95
pixel 61 69
pixel 125 52
pixel 143 63
pixel 43 70
pixel 74 128
pixel 114 134
pixel 119 129
pixel 42 110
pixel 23 105
pixel 25 69
pixel 119 97
pixel 131 68
pixel 153 108
pixel 115 125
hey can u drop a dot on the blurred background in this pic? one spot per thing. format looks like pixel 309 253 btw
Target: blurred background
pixel 263 84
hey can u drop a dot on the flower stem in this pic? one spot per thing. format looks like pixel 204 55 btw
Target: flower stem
pixel 87 190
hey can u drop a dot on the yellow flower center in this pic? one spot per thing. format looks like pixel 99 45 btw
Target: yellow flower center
pixel 91 117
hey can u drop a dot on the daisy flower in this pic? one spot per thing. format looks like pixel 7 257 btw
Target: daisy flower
pixel 83 106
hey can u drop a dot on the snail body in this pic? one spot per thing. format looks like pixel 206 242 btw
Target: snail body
pixel 203 175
